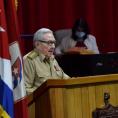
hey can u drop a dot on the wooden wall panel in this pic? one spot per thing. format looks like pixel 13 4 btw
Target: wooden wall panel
pixel 92 99
pixel 56 98
pixel 31 110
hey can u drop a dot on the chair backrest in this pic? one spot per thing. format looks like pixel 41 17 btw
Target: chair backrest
pixel 60 34
pixel 108 111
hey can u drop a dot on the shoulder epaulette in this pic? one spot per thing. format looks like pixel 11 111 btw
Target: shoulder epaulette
pixel 32 55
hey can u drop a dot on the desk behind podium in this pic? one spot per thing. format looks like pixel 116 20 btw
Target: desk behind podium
pixel 86 65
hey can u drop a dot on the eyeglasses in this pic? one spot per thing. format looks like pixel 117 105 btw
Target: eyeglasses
pixel 48 42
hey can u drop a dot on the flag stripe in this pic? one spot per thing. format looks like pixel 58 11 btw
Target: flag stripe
pixel 4 53
pixel 11 18
pixel 12 33
pixel 5 72
pixel 5 101
pixel 3 113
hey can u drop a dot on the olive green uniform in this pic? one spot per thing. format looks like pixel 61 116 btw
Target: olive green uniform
pixel 37 69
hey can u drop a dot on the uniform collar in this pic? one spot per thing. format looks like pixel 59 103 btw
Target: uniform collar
pixel 43 58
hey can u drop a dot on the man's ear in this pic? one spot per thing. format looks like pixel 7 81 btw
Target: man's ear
pixel 36 43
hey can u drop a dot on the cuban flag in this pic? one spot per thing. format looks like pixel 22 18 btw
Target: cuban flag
pixel 18 82
pixel 13 102
pixel 6 86
pixel 19 93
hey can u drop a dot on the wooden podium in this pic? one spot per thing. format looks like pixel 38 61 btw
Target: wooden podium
pixel 73 98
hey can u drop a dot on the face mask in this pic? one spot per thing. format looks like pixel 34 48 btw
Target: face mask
pixel 80 34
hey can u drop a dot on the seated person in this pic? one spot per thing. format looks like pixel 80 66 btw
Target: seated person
pixel 40 64
pixel 81 40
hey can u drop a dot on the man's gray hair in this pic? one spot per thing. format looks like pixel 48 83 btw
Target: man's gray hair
pixel 39 34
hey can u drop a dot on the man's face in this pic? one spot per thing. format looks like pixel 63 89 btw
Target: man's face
pixel 46 45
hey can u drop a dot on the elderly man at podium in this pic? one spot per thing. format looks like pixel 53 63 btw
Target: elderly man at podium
pixel 40 63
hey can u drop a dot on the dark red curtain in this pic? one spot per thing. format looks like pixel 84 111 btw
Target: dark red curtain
pixel 102 17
